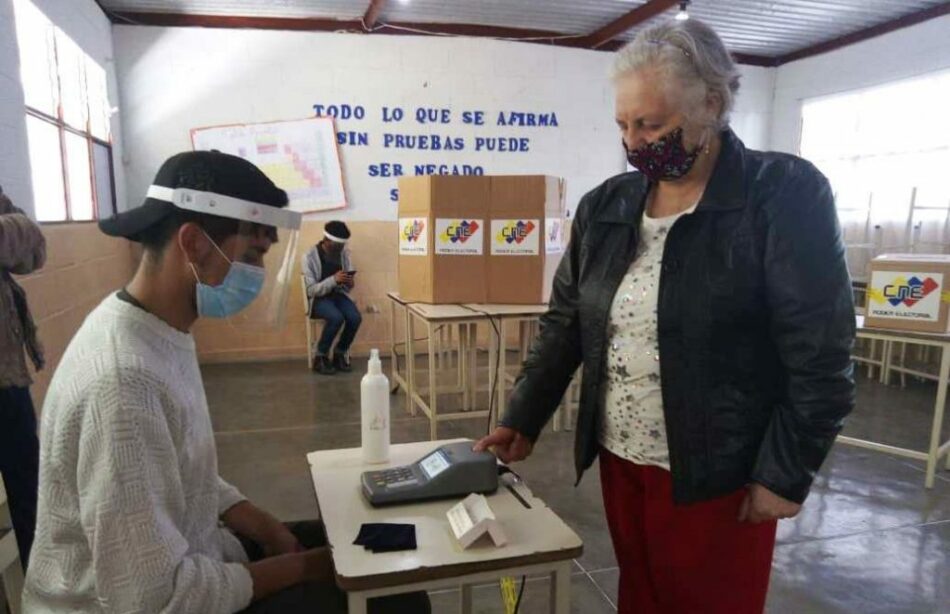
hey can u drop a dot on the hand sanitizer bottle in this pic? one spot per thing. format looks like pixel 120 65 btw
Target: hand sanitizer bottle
pixel 374 409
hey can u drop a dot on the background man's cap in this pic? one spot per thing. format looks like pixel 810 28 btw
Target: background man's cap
pixel 336 231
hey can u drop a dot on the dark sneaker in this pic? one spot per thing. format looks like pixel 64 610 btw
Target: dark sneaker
pixel 323 365
pixel 341 362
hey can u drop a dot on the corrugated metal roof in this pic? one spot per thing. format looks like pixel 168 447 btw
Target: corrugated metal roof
pixel 567 16
pixel 776 28
pixel 757 27
pixel 328 9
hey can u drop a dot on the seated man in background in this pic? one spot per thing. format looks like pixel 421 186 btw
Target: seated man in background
pixel 133 516
pixel 22 251
pixel 329 277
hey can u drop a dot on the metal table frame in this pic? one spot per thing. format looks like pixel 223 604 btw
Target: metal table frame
pixel 936 450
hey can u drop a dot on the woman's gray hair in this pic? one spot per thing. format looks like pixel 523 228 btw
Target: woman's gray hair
pixel 690 52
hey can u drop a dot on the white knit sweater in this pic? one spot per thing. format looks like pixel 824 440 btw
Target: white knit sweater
pixel 129 490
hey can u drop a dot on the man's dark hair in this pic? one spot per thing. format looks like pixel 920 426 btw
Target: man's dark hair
pixel 158 235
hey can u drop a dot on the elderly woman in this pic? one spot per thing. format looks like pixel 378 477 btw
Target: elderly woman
pixel 708 300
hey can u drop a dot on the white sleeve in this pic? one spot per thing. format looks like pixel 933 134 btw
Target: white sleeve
pixel 228 496
pixel 131 502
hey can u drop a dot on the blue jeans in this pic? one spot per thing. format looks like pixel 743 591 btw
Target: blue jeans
pixel 20 463
pixel 338 311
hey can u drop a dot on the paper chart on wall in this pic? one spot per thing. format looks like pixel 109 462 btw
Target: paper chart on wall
pixel 300 156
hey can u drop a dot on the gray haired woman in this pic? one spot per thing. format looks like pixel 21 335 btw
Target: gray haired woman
pixel 707 298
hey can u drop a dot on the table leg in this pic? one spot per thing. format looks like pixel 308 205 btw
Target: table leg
pixel 433 387
pixel 393 352
pixel 410 362
pixel 450 345
pixel 465 599
pixel 523 328
pixel 939 407
pixel 457 349
pixel 903 364
pixel 492 370
pixel 473 364
pixel 502 374
pixel 463 365
pixel 561 589
pixel 356 603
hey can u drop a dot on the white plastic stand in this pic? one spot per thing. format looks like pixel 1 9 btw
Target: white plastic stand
pixel 473 518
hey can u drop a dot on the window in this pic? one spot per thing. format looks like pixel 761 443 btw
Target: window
pixel 67 122
pixel 886 151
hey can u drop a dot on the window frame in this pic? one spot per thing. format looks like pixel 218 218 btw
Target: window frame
pixel 59 122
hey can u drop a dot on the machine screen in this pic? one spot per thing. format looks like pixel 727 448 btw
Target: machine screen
pixel 434 464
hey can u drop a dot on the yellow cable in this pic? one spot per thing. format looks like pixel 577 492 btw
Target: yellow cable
pixel 508 594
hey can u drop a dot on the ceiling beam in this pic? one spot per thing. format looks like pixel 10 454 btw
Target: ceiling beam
pixel 332 25
pixel 751 59
pixel 230 21
pixel 633 18
pixel 862 35
pixel 464 29
pixel 372 13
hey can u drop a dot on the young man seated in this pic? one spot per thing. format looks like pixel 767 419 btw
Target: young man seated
pixel 133 516
pixel 329 276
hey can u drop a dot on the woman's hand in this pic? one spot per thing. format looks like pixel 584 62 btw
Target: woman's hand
pixel 761 505
pixel 507 444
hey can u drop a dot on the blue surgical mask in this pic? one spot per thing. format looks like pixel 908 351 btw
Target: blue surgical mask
pixel 239 288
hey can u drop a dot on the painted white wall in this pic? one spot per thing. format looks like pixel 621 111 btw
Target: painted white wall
pixel 752 116
pixel 905 53
pixel 175 79
pixel 87 25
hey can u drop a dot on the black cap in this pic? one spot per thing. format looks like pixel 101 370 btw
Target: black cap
pixel 208 171
pixel 337 229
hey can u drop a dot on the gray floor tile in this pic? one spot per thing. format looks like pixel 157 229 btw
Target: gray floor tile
pixel 860 490
pixel 888 572
pixel 608 581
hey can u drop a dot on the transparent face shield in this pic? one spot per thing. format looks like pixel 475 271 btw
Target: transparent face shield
pixel 246 281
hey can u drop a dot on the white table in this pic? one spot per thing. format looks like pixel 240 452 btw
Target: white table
pixel 432 317
pixel 466 318
pixel 936 449
pixel 538 540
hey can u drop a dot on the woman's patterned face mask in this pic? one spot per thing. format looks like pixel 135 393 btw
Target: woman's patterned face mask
pixel 665 158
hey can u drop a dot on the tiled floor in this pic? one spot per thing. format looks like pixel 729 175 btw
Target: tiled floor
pixel 870 538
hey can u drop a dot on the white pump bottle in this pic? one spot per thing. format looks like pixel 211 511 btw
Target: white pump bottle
pixel 374 409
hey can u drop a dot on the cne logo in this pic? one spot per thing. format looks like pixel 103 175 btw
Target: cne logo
pixel 459 231
pixel 412 232
pixel 909 291
pixel 515 231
